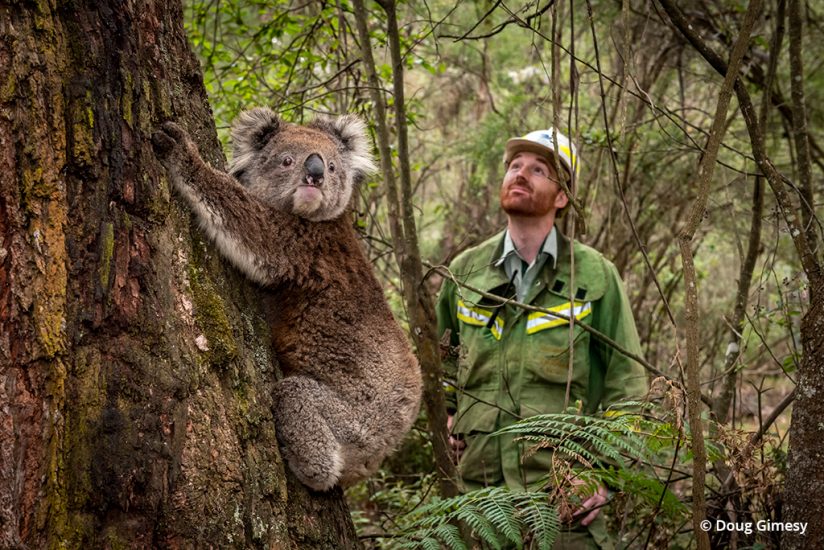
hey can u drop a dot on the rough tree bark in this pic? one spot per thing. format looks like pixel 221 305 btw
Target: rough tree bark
pixel 135 368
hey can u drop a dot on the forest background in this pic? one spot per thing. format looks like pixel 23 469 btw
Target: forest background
pixel 639 101
pixel 136 368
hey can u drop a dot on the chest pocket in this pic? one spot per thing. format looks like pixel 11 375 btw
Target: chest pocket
pixel 481 331
pixel 546 357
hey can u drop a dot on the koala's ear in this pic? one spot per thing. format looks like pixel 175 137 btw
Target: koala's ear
pixel 251 131
pixel 351 132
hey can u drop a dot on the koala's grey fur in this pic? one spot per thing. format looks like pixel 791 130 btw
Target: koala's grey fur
pixel 352 386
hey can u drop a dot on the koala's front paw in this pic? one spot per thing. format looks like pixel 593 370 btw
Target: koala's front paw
pixel 167 138
pixel 170 143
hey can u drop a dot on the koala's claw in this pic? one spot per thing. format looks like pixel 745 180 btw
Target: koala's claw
pixel 169 136
pixel 174 131
pixel 163 144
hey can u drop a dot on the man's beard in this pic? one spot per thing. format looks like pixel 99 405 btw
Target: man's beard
pixel 531 205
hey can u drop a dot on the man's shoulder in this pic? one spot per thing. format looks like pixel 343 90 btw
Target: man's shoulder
pixel 590 255
pixel 587 258
pixel 593 271
pixel 478 255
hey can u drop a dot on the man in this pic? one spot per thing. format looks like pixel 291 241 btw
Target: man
pixel 513 363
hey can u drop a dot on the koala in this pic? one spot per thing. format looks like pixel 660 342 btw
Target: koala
pixel 351 387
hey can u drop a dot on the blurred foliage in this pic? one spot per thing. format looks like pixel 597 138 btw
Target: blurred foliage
pixel 480 72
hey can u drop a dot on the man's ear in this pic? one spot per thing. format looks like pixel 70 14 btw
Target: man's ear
pixel 561 199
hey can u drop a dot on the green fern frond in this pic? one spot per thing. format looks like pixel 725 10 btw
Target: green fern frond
pixel 480 524
pixel 500 510
pixel 539 517
pixel 451 536
pixel 576 452
pixel 607 439
pixel 606 442
pixel 494 515
pixel 649 490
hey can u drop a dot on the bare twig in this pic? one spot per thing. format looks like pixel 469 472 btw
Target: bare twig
pixel 704 176
pixel 799 123
pixel 420 309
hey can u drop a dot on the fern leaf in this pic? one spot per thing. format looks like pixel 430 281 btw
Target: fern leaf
pixel 479 524
pixel 541 518
pixel 451 536
pixel 500 511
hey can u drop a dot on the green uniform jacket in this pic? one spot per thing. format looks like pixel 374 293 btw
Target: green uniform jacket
pixel 517 367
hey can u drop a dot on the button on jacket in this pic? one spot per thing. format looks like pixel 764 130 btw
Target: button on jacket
pixel 513 363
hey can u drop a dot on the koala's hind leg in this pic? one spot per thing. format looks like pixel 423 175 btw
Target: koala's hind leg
pixel 308 443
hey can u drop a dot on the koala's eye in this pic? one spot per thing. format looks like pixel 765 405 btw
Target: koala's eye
pixel 331 167
pixel 287 161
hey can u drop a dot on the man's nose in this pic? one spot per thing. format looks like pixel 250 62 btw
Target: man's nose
pixel 522 174
pixel 524 171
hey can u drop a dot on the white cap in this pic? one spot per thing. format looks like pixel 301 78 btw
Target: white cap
pixel 541 142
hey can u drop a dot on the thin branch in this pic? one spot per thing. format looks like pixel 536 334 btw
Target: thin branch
pixel 776 180
pixel 799 125
pixel 704 176
pixel 616 173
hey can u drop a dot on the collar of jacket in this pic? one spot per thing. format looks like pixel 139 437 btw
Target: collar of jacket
pixel 549 247
pixel 477 268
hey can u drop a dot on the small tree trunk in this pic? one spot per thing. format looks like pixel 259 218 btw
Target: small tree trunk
pixel 805 477
pixel 420 309
pixel 135 366
pixel 691 314
pixel 799 123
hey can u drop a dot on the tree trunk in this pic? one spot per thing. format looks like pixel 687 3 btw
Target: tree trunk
pixel 805 476
pixel 135 366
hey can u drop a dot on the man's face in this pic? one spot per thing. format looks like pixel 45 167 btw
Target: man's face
pixel 531 187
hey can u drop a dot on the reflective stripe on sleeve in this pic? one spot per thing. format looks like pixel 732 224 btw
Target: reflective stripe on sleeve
pixel 541 321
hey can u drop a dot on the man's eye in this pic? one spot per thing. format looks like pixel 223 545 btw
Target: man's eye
pixel 539 171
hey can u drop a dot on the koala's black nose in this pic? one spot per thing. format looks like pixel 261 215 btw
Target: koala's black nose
pixel 314 169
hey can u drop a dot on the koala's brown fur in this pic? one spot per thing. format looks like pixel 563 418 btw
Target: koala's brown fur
pixel 352 386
